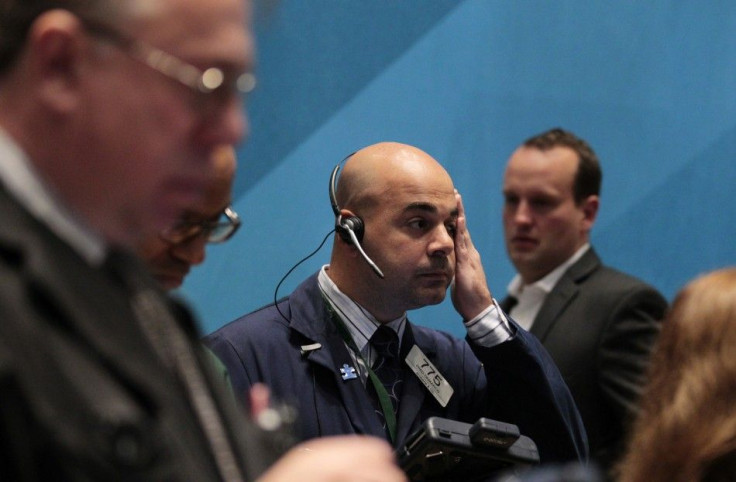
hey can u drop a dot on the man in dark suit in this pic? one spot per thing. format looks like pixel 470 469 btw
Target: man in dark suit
pixel 401 240
pixel 106 133
pixel 598 324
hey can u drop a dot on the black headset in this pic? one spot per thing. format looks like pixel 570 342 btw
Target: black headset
pixel 351 228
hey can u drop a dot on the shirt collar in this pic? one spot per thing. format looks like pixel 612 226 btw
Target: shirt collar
pixel 23 182
pixel 547 284
pixel 359 322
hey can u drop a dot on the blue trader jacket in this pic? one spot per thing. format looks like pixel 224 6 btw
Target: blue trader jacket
pixel 515 382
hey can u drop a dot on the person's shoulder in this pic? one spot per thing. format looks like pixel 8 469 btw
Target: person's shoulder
pixel 613 290
pixel 606 287
pixel 277 318
pixel 616 279
pixel 591 271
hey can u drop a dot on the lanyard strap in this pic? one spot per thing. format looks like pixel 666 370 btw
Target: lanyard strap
pixel 383 397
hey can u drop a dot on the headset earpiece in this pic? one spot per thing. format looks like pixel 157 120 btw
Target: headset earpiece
pixel 351 223
pixel 350 228
pixel 343 225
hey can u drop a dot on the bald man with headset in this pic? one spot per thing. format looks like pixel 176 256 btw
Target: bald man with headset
pixel 401 241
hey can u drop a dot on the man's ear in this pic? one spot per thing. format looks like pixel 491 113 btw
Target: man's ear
pixel 56 47
pixel 590 211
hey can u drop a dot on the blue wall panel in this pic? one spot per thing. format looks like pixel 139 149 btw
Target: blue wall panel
pixel 649 85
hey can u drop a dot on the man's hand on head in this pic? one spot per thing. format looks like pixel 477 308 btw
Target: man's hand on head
pixel 470 292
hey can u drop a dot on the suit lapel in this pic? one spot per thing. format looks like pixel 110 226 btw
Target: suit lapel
pixel 563 293
pixel 554 304
pixel 355 397
pixel 312 320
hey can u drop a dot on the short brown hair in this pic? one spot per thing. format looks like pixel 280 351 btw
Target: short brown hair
pixel 589 176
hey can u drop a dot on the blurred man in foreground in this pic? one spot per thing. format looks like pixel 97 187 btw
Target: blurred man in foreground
pixel 109 114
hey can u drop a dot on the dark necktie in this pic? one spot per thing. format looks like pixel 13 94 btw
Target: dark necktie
pixel 387 367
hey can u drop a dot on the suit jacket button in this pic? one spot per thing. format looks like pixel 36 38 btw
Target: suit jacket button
pixel 127 446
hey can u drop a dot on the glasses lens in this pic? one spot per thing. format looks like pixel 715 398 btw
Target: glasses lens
pixel 181 231
pixel 225 227
pixel 220 233
pixel 211 79
pixel 213 231
pixel 246 83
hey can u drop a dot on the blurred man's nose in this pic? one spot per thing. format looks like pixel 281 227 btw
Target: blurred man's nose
pixel 226 122
pixel 192 250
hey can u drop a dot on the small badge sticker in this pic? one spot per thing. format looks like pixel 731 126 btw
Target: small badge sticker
pixel 429 376
pixel 347 372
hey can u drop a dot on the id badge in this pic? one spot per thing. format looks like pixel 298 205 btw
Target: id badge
pixel 430 377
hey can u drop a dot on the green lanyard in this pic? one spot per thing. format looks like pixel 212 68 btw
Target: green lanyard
pixel 383 397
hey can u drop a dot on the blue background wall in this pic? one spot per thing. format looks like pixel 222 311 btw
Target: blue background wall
pixel 651 85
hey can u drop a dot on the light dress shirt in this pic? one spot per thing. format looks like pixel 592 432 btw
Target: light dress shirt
pixel 488 328
pixel 531 297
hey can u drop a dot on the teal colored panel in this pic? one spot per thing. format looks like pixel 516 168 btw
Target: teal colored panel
pixel 649 84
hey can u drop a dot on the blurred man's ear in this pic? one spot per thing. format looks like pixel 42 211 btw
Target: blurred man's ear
pixel 590 210
pixel 55 51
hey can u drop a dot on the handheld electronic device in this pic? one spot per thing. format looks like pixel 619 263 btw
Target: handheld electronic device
pixel 448 450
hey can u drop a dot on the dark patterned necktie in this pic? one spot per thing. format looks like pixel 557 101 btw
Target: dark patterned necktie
pixel 387 367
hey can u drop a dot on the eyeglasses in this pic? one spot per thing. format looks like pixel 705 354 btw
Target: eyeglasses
pixel 209 81
pixel 215 231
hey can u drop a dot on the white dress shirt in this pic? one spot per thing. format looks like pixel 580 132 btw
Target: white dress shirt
pixel 531 297
pixel 487 329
